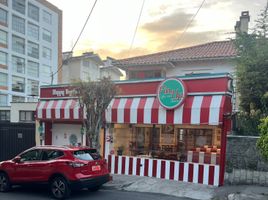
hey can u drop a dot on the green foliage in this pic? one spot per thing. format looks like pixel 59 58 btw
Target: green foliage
pixel 94 97
pixel 252 74
pixel 262 142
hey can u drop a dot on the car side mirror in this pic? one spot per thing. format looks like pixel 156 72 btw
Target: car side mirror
pixel 17 159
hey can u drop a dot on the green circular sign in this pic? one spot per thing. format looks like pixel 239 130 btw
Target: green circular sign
pixel 171 93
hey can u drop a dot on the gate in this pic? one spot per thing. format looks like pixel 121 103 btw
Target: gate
pixel 15 138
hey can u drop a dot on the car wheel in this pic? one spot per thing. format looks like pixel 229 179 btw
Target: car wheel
pixel 94 189
pixel 60 188
pixel 4 183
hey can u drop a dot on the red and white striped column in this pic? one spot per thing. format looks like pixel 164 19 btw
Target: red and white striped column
pixel 207 174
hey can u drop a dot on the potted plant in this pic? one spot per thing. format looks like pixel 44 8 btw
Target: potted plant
pixel 120 150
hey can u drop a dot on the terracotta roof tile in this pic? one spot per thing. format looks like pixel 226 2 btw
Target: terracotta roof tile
pixel 212 50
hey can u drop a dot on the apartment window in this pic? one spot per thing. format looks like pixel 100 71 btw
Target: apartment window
pixel 18 64
pixel 18 84
pixel 4 114
pixel 3 60
pixel 18 99
pixel 3 2
pixel 32 87
pixel 33 31
pixel 47 36
pixel 47 17
pixel 46 71
pixel 3 81
pixel 46 53
pixel 3 99
pixel 18 24
pixel 33 69
pixel 3 17
pixel 19 5
pixel 33 50
pixel 18 44
pixel 33 12
pixel 3 38
pixel 26 116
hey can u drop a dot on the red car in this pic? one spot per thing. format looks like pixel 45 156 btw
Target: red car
pixel 63 168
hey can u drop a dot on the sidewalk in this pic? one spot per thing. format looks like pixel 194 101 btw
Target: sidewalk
pixel 181 189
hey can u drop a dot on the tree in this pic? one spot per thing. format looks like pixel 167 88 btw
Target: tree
pixel 252 74
pixel 94 97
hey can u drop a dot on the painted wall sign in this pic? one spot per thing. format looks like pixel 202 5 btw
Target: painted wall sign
pixel 171 93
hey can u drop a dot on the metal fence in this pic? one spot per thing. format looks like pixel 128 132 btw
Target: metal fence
pixel 15 138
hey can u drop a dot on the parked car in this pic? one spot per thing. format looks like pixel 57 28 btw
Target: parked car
pixel 63 168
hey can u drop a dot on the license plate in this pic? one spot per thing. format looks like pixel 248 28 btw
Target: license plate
pixel 96 168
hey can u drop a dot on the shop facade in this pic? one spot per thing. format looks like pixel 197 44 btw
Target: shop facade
pixel 173 129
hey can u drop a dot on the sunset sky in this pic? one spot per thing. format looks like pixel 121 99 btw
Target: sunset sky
pixel 112 24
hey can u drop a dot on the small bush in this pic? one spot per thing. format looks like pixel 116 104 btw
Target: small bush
pixel 262 143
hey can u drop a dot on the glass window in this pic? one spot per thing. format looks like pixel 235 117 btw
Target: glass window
pixel 3 99
pixel 18 84
pixel 33 69
pixel 51 154
pixel 19 5
pixel 26 116
pixel 3 59
pixel 31 155
pixel 33 12
pixel 47 17
pixel 17 99
pixel 18 44
pixel 3 17
pixel 87 154
pixel 33 50
pixel 46 71
pixel 3 80
pixel 4 114
pixel 3 38
pixel 3 2
pixel 47 36
pixel 46 53
pixel 32 88
pixel 18 24
pixel 33 31
pixel 18 64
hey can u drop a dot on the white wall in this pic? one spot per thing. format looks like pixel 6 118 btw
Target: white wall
pixel 62 132
pixel 17 107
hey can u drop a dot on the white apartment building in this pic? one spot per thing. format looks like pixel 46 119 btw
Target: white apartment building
pixel 30 50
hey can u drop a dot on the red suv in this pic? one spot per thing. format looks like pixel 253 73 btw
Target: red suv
pixel 63 168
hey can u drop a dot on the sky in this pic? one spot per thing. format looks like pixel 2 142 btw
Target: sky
pixel 110 29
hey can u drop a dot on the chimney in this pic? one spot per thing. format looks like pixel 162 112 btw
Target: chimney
pixel 241 26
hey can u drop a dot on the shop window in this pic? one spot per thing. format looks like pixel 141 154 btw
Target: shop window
pixel 19 5
pixel 3 99
pixel 33 69
pixel 18 99
pixel 33 50
pixel 32 88
pixel 33 31
pixel 26 116
pixel 3 81
pixel 47 36
pixel 47 17
pixel 4 115
pixel 18 65
pixel 18 44
pixel 3 60
pixel 3 17
pixel 3 38
pixel 18 24
pixel 33 12
pixel 18 84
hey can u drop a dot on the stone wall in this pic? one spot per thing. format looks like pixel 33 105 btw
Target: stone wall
pixel 244 164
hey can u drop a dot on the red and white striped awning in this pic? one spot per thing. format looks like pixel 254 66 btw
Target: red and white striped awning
pixel 68 109
pixel 195 110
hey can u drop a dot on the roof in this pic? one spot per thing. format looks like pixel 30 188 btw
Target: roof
pixel 212 50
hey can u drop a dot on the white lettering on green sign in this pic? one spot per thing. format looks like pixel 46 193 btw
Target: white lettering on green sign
pixel 171 93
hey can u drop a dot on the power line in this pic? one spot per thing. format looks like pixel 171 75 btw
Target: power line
pixel 52 75
pixel 188 25
pixel 133 38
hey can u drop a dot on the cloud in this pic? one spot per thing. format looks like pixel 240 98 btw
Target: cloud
pixel 174 22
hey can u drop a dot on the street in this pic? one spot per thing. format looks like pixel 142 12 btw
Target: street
pixel 104 194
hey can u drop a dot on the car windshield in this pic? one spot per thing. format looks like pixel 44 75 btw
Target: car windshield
pixel 87 154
